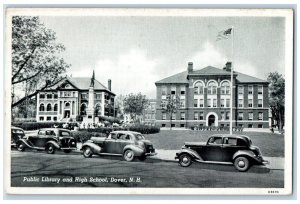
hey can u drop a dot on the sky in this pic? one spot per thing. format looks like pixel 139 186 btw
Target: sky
pixel 135 52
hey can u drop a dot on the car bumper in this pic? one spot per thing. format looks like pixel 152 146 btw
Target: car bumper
pixel 151 154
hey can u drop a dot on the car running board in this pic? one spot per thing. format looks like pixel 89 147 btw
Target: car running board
pixel 110 154
pixel 214 162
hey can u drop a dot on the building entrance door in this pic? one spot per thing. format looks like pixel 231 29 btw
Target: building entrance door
pixel 67 114
pixel 211 120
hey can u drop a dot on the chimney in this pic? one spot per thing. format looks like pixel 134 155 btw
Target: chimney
pixel 228 66
pixel 109 84
pixel 190 67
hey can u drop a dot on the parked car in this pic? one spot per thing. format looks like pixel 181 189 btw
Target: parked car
pixel 223 149
pixel 128 144
pixel 50 140
pixel 16 135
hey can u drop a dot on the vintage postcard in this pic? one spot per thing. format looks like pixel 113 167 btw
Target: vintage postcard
pixel 148 101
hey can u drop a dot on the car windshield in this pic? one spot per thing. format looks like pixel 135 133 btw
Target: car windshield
pixel 16 131
pixel 64 133
pixel 139 137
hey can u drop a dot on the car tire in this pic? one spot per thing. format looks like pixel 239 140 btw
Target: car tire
pixel 242 164
pixel 128 155
pixel 87 152
pixel 50 149
pixel 67 150
pixel 142 158
pixel 21 147
pixel 185 160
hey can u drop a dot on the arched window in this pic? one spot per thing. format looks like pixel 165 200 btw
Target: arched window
pixel 212 87
pixel 198 88
pixel 225 88
pixel 49 107
pixel 67 105
pixel 55 107
pixel 42 107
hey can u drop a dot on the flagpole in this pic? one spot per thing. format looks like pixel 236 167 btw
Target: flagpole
pixel 231 84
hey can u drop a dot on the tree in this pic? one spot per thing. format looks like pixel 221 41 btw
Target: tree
pixel 36 64
pixel 170 106
pixel 277 98
pixel 135 104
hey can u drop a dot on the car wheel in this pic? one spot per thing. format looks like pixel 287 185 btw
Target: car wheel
pixel 128 155
pixel 21 147
pixel 142 158
pixel 67 150
pixel 87 152
pixel 241 163
pixel 50 149
pixel 185 160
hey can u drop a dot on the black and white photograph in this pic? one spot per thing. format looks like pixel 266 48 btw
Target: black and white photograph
pixel 148 101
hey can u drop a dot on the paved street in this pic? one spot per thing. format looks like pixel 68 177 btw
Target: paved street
pixel 33 168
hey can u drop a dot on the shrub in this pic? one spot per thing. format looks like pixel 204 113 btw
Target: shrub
pixel 39 125
pixel 144 129
pixel 84 135
pixel 111 120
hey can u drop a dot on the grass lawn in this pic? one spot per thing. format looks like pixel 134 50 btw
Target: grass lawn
pixel 271 145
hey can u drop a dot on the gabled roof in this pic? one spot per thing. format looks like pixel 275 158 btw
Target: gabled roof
pixel 81 83
pixel 209 70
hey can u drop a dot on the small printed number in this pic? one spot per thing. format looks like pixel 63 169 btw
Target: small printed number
pixel 273 192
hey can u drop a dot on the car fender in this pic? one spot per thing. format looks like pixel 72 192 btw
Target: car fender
pixel 24 142
pixel 191 152
pixel 94 147
pixel 137 150
pixel 54 143
pixel 246 153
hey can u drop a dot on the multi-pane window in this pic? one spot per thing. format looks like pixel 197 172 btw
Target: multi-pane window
pixel 55 96
pixel 182 116
pixel 67 94
pixel 42 107
pixel 84 96
pixel 49 118
pixel 260 90
pixel 173 90
pixel 198 88
pixel 227 102
pixel 240 103
pixel 164 116
pixel 250 116
pixel 196 116
pixel 225 88
pixel 173 116
pixel 222 116
pixel 41 118
pixel 42 96
pixel 260 116
pixel 164 91
pixel 201 103
pixel 240 90
pixel 260 126
pixel 182 91
pixel 182 103
pixel 49 96
pixel 222 102
pixel 259 103
pixel 49 108
pixel 55 107
pixel 209 102
pixel 212 88
pixel 250 103
pixel 250 126
pixel 250 89
pixel 240 116
pixel 214 102
pixel 195 102
pixel 201 116
pixel 98 96
pixel 227 116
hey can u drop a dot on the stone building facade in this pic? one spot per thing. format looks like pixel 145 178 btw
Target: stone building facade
pixel 205 98
pixel 79 99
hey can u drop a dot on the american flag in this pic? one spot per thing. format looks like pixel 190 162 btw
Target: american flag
pixel 224 34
